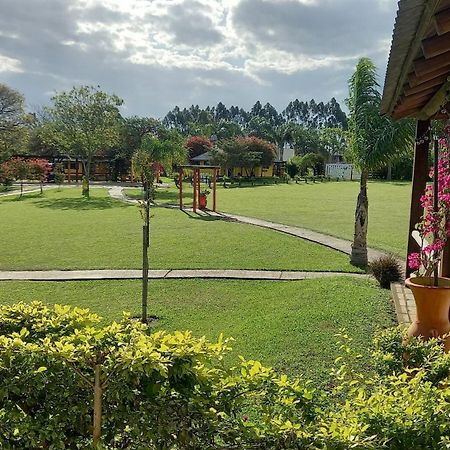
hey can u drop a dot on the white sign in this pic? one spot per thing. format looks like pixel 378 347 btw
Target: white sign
pixel 342 171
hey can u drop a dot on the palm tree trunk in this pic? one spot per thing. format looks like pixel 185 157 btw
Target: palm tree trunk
pixel 359 246
pixel 389 172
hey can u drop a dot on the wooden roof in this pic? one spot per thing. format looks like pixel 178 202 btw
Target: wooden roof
pixel 418 71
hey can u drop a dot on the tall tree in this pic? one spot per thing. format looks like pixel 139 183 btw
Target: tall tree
pixel 12 120
pixel 87 122
pixel 374 141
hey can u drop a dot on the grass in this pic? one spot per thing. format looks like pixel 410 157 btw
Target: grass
pixel 62 230
pixel 328 208
pixel 290 325
pixel 325 207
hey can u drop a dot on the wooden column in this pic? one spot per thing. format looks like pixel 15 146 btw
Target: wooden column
pixel 77 166
pixel 214 189
pixel 195 190
pixel 180 184
pixel 68 171
pixel 198 183
pixel 420 177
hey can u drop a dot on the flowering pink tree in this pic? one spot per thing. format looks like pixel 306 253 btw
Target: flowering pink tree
pixel 39 170
pixel 434 228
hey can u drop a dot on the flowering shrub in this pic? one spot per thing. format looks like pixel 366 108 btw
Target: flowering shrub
pixel 434 228
pixel 197 145
pixel 69 383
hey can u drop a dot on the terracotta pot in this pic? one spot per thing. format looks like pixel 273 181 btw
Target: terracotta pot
pixel 202 201
pixel 433 306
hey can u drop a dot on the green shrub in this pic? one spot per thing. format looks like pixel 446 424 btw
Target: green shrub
pixel 386 269
pixel 61 372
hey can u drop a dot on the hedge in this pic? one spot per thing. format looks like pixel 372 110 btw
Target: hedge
pixel 68 382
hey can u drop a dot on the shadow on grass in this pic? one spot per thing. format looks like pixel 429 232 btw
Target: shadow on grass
pixel 81 203
pixel 25 196
pixel 205 216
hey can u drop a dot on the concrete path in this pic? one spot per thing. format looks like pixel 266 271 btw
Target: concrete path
pixel 117 193
pixel 107 274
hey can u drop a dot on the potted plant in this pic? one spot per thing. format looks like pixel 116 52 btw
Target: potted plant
pixel 431 292
pixel 203 199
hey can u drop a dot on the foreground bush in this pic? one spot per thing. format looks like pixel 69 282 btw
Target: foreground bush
pixel 66 382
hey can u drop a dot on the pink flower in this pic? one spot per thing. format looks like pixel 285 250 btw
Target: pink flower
pixel 414 261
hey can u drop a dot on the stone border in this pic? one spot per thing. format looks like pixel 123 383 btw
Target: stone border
pixel 405 306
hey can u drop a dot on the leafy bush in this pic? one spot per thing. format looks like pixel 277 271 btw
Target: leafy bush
pixel 61 373
pixel 386 269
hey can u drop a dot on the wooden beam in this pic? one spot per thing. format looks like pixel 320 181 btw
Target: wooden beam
pixel 438 100
pixel 424 86
pixel 442 22
pixel 406 106
pixel 420 95
pixel 423 66
pixel 420 177
pixel 414 80
pixel 413 112
pixel 436 45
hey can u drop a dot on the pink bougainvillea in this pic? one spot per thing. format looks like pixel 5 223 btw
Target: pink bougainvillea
pixel 434 228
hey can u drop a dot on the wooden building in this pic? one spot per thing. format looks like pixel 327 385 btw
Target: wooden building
pixel 417 86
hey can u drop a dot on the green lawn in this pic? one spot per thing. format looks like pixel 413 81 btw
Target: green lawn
pixel 325 207
pixel 328 208
pixel 62 230
pixel 290 325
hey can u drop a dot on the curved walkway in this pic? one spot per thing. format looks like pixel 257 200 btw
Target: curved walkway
pixel 335 243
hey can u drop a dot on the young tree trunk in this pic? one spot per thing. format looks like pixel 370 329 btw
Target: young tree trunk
pixel 86 176
pixel 98 394
pixel 40 185
pixel 145 246
pixel 21 189
pixel 359 246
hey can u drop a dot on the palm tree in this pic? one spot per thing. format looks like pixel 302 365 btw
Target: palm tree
pixel 154 152
pixel 374 141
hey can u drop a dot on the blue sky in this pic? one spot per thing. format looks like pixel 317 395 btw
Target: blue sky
pixel 156 54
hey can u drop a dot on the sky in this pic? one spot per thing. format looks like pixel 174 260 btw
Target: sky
pixel 156 54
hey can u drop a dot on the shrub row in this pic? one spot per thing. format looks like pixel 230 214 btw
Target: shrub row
pixel 68 382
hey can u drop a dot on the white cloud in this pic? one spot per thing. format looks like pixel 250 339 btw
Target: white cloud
pixel 8 64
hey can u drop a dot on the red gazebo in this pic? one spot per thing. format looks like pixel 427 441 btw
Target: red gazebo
pixel 197 169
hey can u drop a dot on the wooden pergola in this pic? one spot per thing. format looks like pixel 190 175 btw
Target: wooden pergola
pixel 196 170
pixel 417 86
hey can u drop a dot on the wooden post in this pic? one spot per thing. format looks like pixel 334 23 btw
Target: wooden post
pixel 77 166
pixel 68 171
pixel 180 185
pixel 420 176
pixel 214 189
pixel 195 190
pixel 436 199
pixel 198 184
